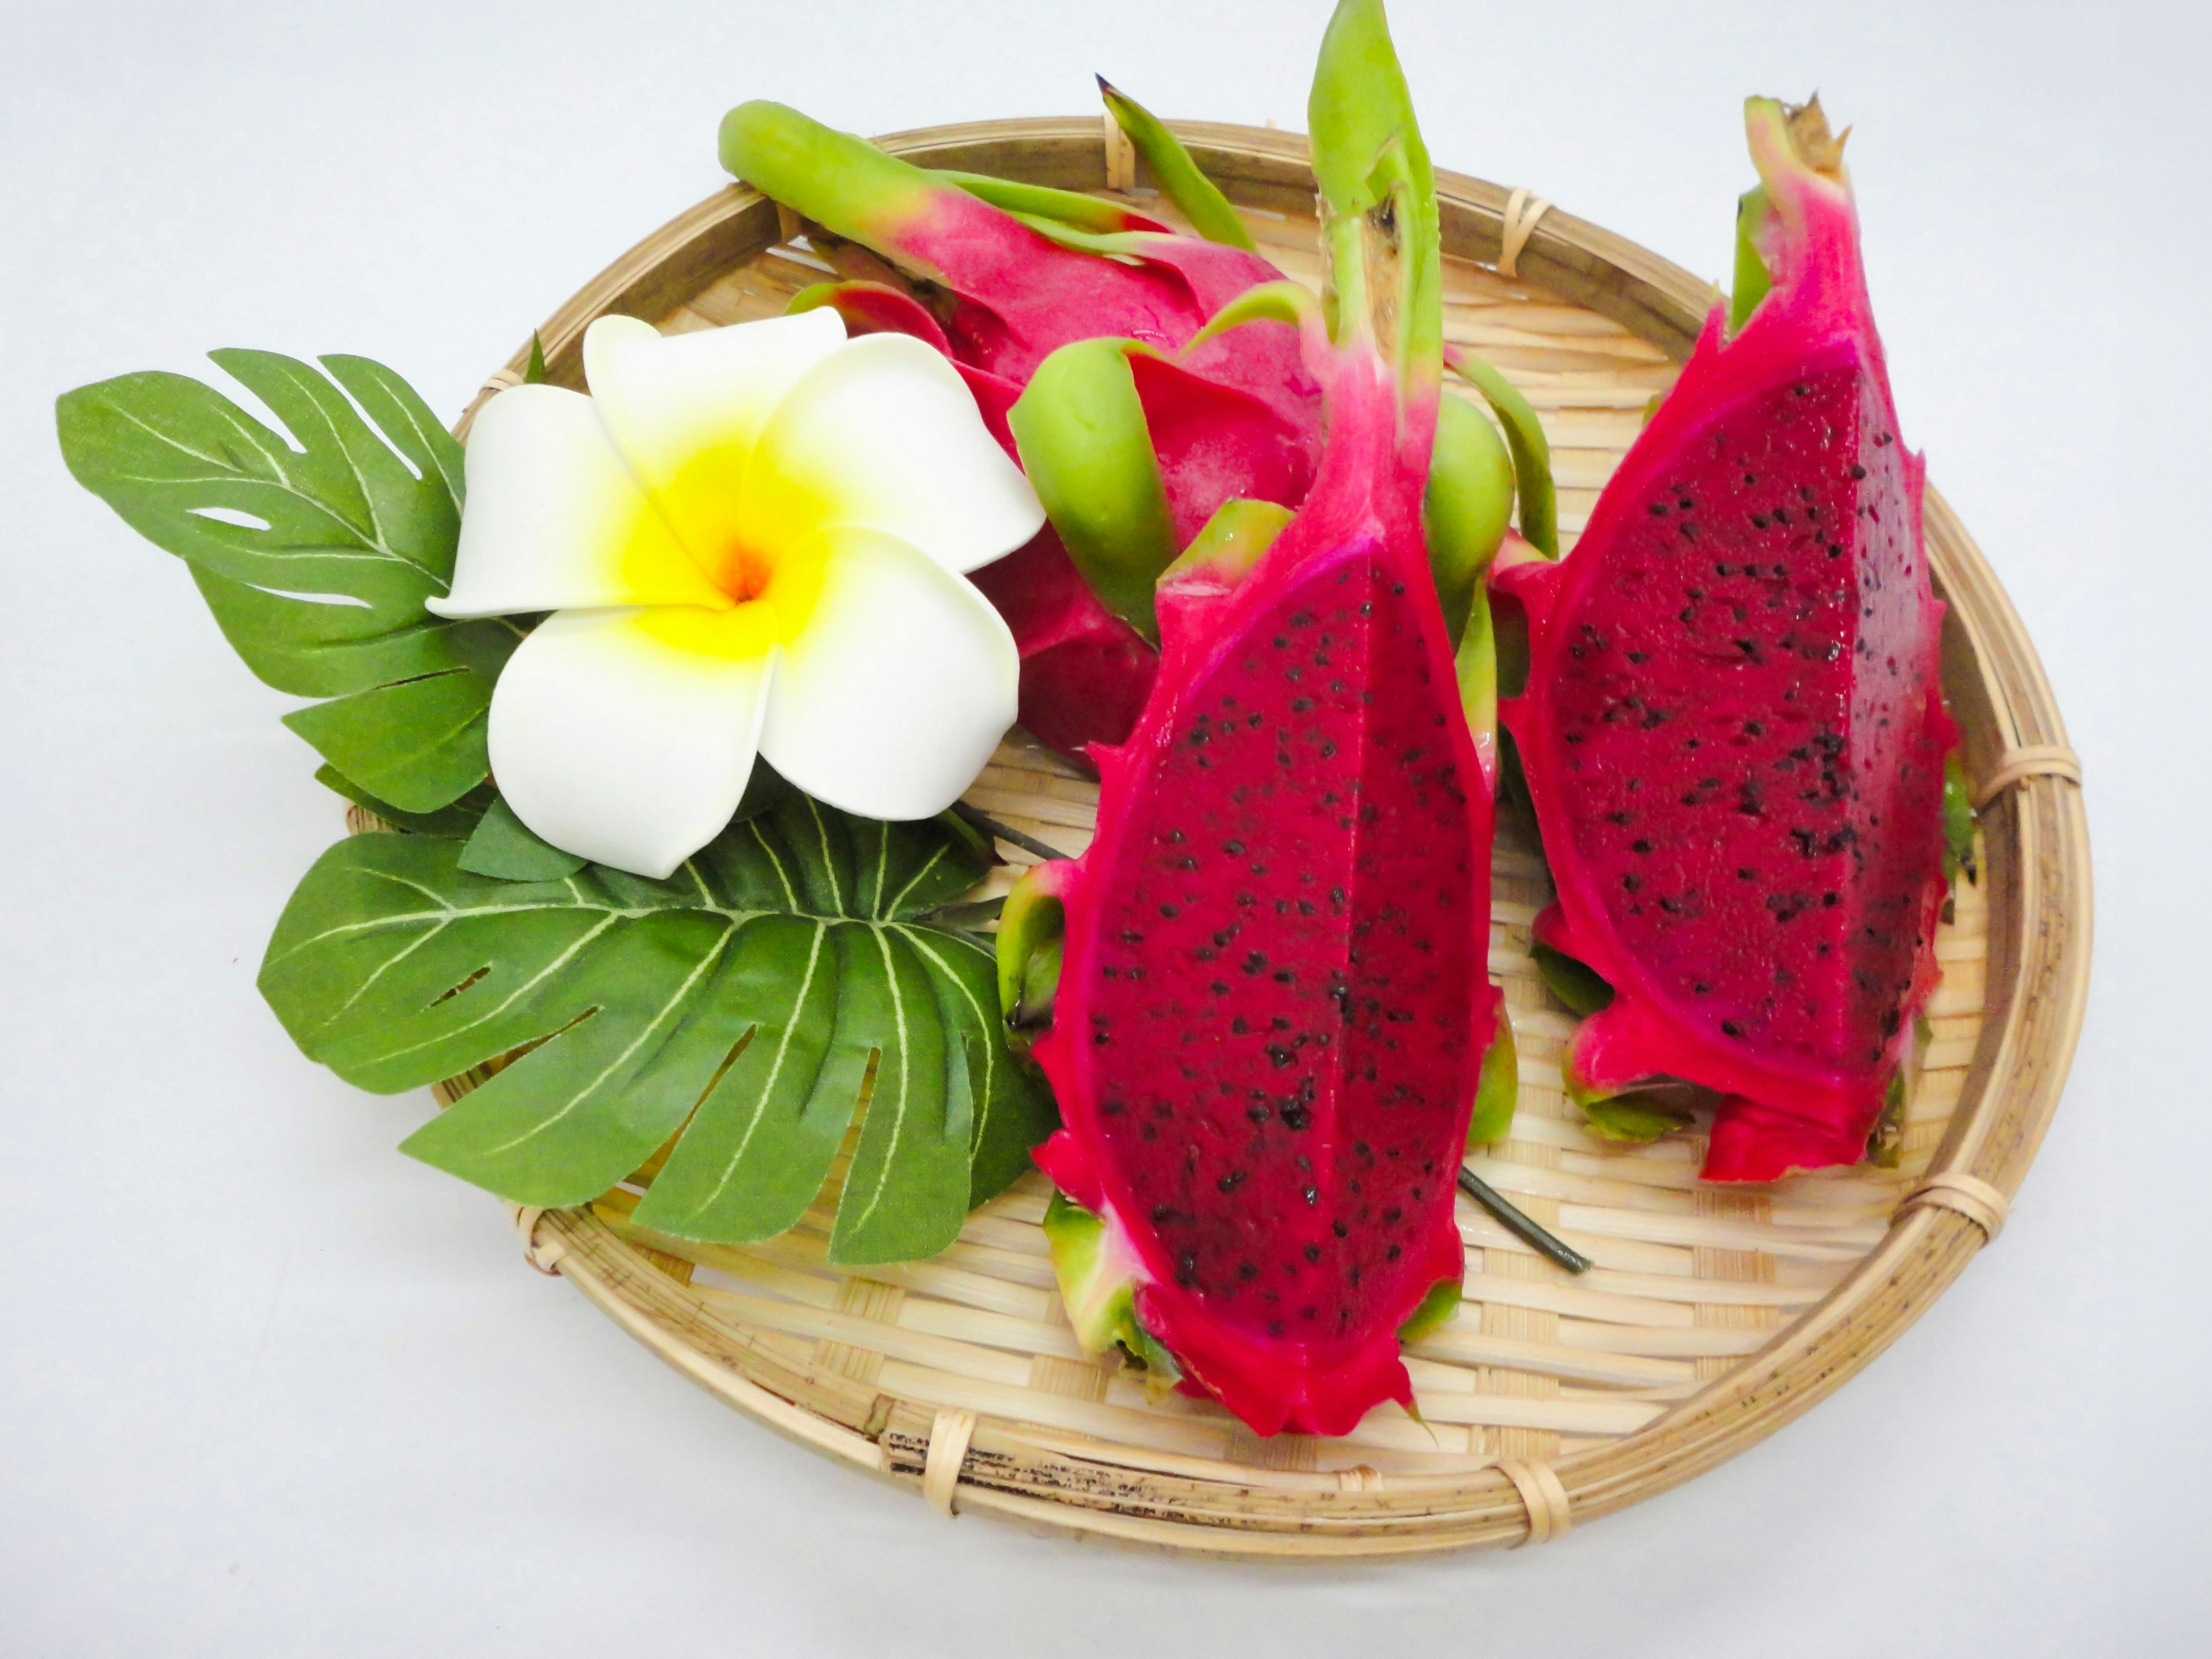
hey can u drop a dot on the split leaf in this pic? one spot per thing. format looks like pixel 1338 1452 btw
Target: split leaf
pixel 779 983
pixel 315 552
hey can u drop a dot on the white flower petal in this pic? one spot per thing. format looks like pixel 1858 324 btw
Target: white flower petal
pixel 686 409
pixel 616 743
pixel 899 687
pixel 554 520
pixel 885 433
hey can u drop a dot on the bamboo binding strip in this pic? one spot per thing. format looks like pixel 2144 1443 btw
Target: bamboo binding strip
pixel 1711 1317
pixel 1549 1515
pixel 1971 1197
pixel 2034 760
pixel 1521 212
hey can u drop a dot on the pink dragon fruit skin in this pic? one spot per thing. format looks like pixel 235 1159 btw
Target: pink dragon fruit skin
pixel 1273 1001
pixel 1733 728
pixel 1241 418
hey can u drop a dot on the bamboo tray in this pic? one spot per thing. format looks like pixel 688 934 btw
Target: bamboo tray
pixel 1712 1318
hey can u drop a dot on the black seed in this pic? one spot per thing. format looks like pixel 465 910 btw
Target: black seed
pixel 1729 1028
pixel 1313 1252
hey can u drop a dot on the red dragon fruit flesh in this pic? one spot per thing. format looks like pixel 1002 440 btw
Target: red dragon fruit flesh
pixel 1272 1004
pixel 1732 730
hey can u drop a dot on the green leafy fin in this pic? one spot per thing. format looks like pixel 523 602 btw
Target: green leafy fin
pixel 1635 1117
pixel 316 553
pixel 1097 1275
pixel 1475 663
pixel 1574 981
pixel 1435 1310
pixel 1886 1141
pixel 1286 302
pixel 1083 442
pixel 1378 193
pixel 533 372
pixel 1499 1089
pixel 502 845
pixel 1524 437
pixel 1469 504
pixel 1068 207
pixel 1753 280
pixel 1229 544
pixel 1196 196
pixel 1958 819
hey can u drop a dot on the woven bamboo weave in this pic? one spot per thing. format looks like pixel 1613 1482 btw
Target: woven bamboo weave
pixel 1711 1315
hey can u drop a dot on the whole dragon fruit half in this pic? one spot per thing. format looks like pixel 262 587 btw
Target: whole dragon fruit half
pixel 1732 730
pixel 1272 1003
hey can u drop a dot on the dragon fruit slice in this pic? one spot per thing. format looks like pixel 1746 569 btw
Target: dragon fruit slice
pixel 1733 730
pixel 1271 1002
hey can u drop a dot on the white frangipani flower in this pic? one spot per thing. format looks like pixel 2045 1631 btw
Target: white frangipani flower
pixel 751 539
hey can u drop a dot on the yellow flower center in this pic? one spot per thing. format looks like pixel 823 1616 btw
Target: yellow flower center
pixel 765 560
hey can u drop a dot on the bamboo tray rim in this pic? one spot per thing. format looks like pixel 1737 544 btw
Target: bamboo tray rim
pixel 2037 966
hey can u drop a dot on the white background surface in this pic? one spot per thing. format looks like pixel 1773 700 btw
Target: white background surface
pixel 267 1387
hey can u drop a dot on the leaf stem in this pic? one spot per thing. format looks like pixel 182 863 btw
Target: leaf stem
pixel 1529 1232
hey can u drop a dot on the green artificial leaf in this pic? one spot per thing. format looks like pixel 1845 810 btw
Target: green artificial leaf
pixel 503 847
pixel 315 553
pixel 753 1001
pixel 458 819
